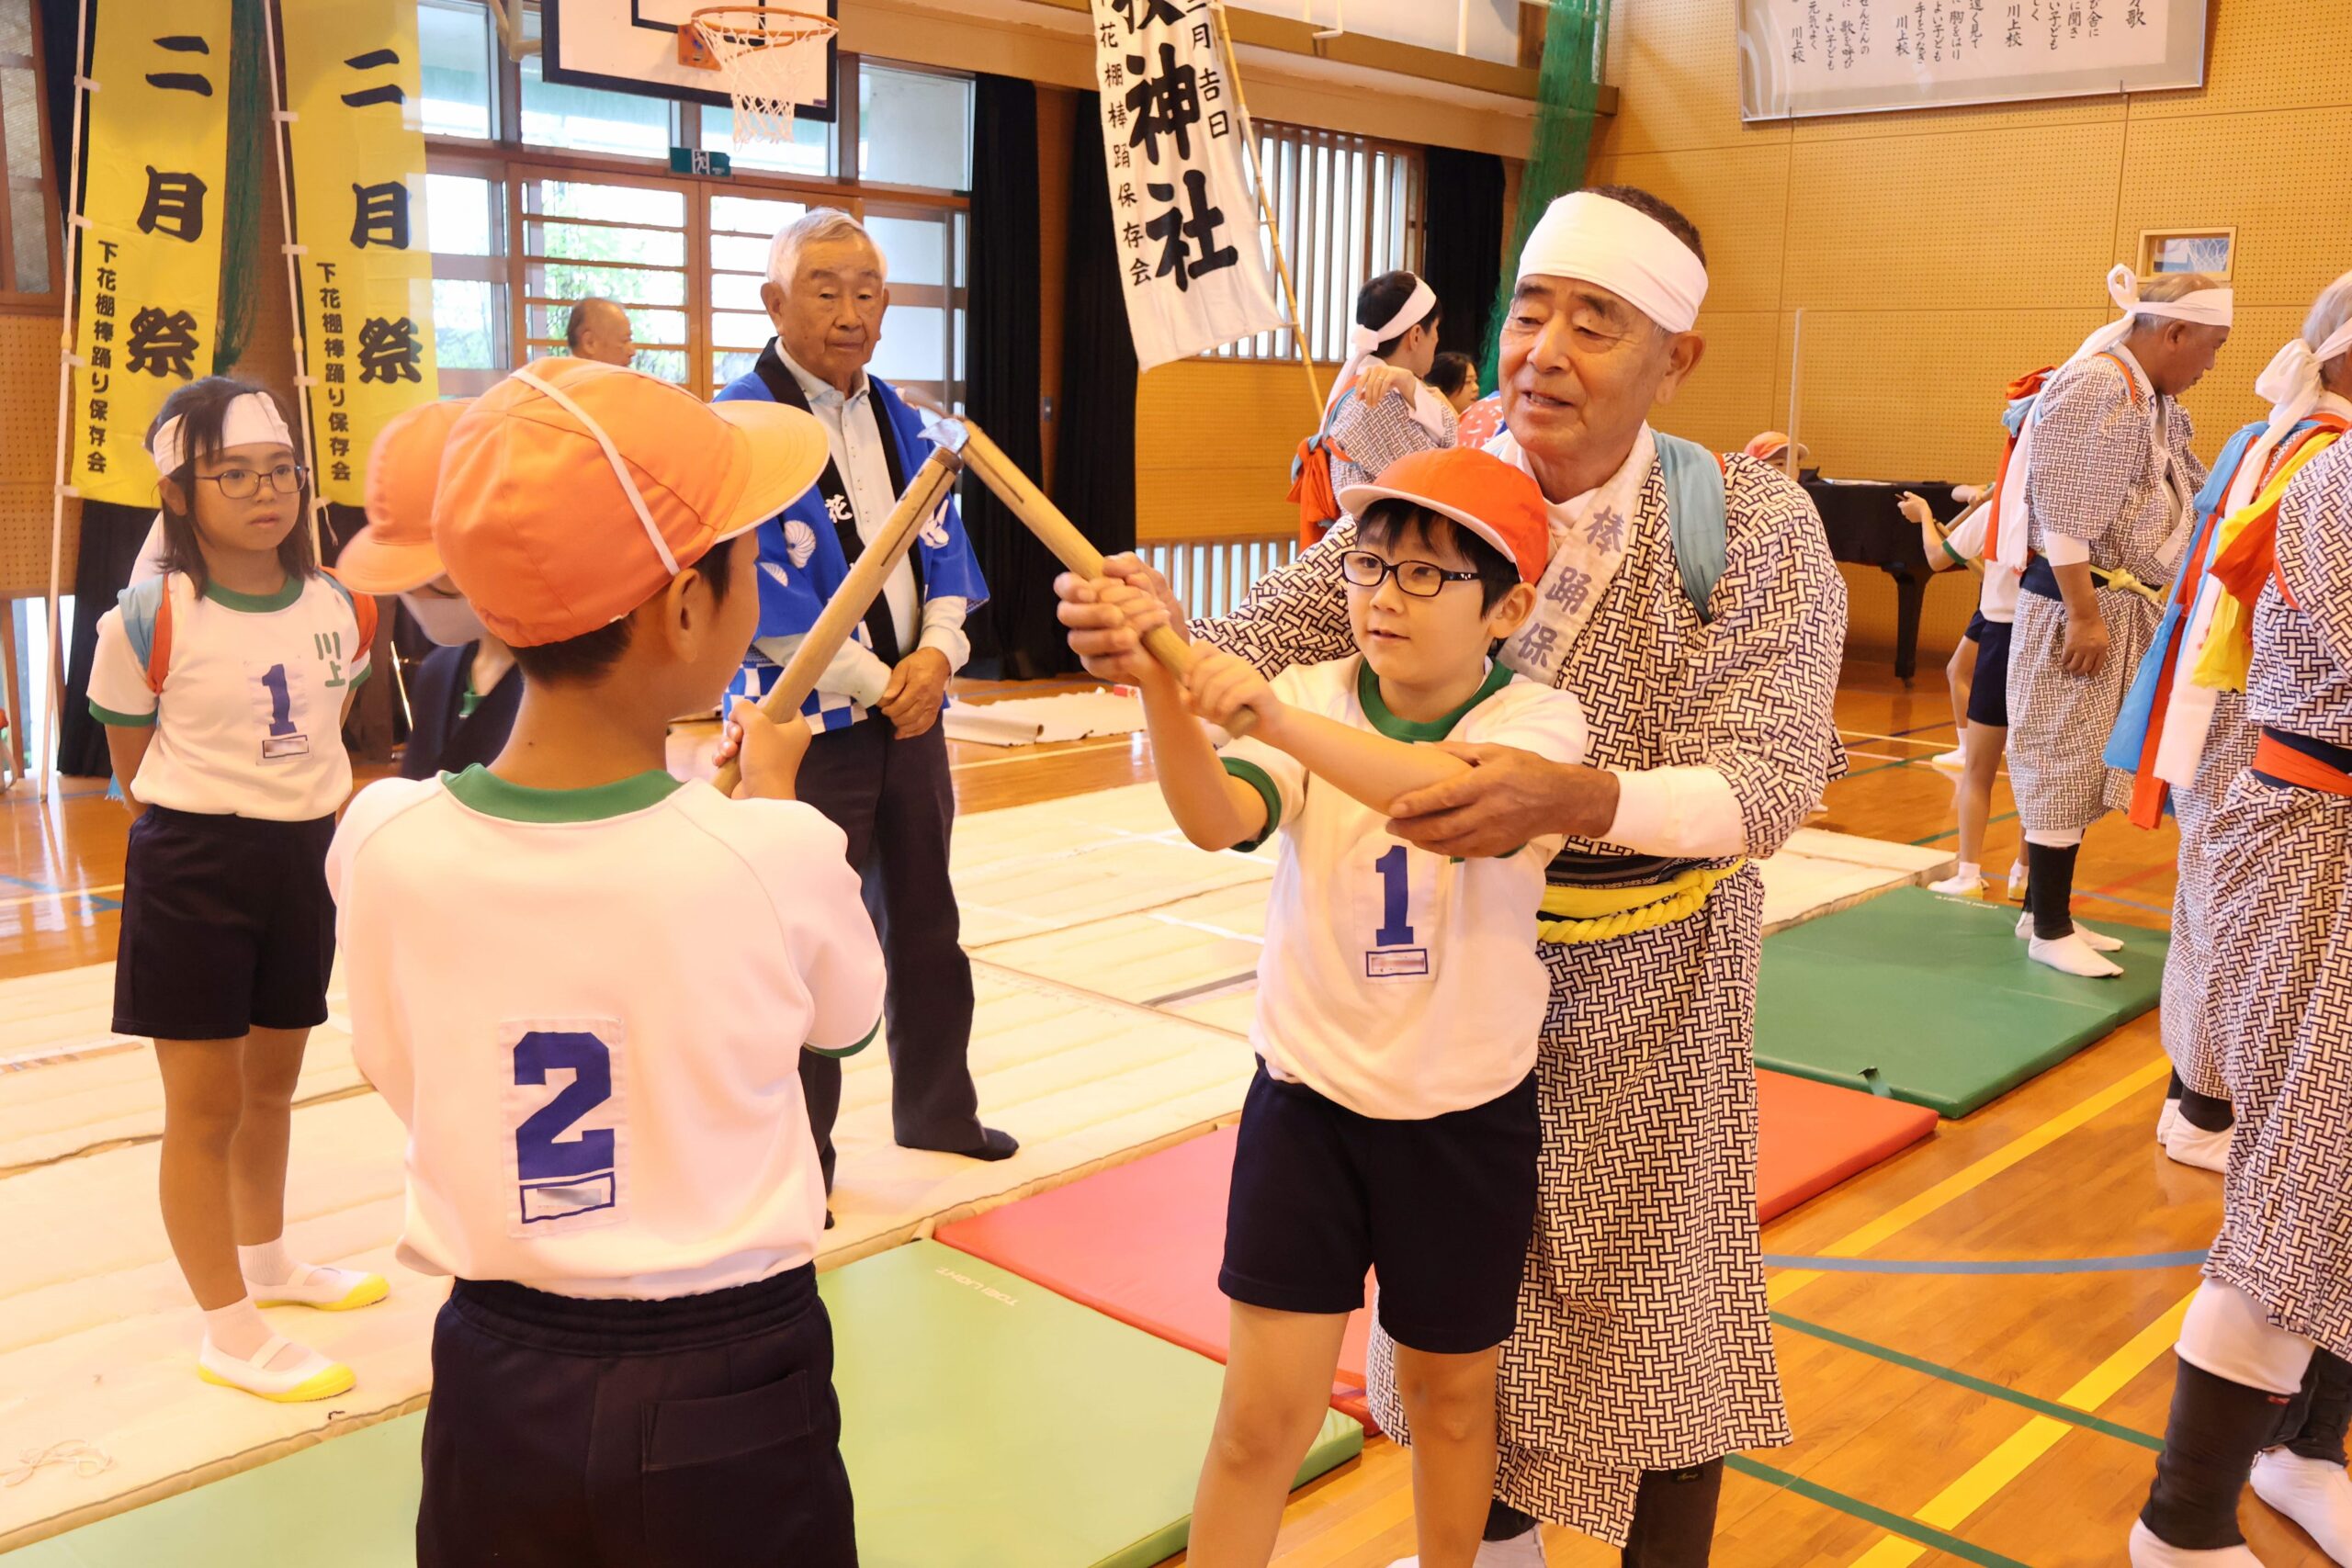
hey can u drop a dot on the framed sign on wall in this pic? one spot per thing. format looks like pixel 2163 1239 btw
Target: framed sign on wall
pixel 1820 57
pixel 2208 251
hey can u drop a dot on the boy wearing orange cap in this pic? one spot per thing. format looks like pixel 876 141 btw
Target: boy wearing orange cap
pixel 1392 1123
pixel 462 701
pixel 584 986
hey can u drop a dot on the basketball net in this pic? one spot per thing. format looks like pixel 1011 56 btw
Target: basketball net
pixel 754 48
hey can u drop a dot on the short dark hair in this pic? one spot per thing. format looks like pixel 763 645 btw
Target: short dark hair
pixel 1449 373
pixel 588 655
pixel 1378 302
pixel 1643 202
pixel 1388 521
pixel 202 409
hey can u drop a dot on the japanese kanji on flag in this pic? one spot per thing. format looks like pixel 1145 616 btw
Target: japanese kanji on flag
pixel 1174 139
pixel 158 138
pixel 358 155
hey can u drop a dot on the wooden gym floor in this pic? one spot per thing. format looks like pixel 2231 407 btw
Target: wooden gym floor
pixel 1945 1413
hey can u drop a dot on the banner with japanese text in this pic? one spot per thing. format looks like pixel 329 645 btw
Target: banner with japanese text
pixel 157 136
pixel 1809 57
pixel 353 86
pixel 1174 139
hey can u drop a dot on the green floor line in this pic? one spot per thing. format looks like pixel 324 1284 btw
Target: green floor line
pixel 1951 832
pixel 1854 1507
pixel 1954 1376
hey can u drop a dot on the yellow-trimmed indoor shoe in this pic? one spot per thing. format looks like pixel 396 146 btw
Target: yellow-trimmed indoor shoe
pixel 324 1287
pixel 310 1376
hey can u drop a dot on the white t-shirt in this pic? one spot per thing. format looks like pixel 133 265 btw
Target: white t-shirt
pixel 1398 982
pixel 248 711
pixel 1998 600
pixel 588 1006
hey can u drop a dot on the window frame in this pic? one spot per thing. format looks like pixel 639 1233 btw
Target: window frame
pixel 42 183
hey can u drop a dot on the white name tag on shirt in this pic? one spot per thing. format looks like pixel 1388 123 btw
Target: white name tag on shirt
pixel 274 747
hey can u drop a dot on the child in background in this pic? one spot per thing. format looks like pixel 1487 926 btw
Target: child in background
pixel 582 985
pixel 222 684
pixel 1455 378
pixel 462 703
pixel 1392 1122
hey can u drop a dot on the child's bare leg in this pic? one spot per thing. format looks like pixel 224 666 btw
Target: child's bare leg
pixel 1277 1392
pixel 1450 1409
pixel 203 1103
pixel 273 1062
pixel 1980 766
pixel 1960 672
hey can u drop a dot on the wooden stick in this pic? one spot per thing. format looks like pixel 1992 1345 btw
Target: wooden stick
pixel 1944 530
pixel 1072 548
pixel 1265 206
pixel 855 596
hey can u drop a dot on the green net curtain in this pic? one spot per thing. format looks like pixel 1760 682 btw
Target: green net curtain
pixel 1575 44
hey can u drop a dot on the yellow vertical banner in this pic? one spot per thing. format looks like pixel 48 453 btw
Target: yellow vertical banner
pixel 353 87
pixel 154 184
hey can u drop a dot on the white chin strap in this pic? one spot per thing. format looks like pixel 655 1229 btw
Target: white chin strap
pixel 251 420
pixel 1362 340
pixel 612 454
pixel 2205 308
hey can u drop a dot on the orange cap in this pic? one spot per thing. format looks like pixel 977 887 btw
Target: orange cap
pixel 1773 445
pixel 395 552
pixel 1499 503
pixel 573 492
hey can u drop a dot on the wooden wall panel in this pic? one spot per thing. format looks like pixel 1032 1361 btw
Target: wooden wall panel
pixel 1214 441
pixel 28 346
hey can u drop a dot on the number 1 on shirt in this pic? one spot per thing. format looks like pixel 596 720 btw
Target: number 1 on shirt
pixel 1394 953
pixel 284 737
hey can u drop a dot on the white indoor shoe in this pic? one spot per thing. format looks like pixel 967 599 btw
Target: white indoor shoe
pixel 2016 879
pixel 2188 1143
pixel 2313 1493
pixel 322 1286
pixel 1519 1552
pixel 1948 761
pixel 289 1379
pixel 1960 885
pixel 2097 941
pixel 2147 1552
pixel 2166 1122
pixel 2070 955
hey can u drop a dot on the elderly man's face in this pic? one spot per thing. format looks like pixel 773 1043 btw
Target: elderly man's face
pixel 607 335
pixel 1580 370
pixel 831 317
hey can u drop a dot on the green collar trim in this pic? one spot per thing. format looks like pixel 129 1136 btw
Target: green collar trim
pixel 256 603
pixel 479 789
pixel 1388 723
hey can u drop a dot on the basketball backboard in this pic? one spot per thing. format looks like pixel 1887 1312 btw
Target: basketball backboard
pixel 632 46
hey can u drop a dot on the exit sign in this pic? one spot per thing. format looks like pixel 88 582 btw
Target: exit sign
pixel 690 161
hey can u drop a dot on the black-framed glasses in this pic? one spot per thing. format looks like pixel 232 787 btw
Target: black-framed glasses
pixel 244 484
pixel 1422 580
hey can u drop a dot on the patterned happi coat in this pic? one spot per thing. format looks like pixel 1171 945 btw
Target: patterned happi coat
pixel 2278 992
pixel 1643 1338
pixel 2101 447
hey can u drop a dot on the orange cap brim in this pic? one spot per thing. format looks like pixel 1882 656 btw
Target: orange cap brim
pixel 1358 499
pixel 370 566
pixel 783 453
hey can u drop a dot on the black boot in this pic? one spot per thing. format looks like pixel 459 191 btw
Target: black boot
pixel 1674 1517
pixel 2328 1388
pixel 2215 1429
pixel 2050 889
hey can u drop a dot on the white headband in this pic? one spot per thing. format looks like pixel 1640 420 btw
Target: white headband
pixel 251 420
pixel 2206 307
pixel 1363 340
pixel 1599 240
pixel 2290 381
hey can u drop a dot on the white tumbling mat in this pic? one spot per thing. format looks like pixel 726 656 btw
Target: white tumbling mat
pixel 1819 873
pixel 1029 721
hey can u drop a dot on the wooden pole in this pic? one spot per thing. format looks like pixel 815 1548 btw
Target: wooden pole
pixel 1265 206
pixel 856 594
pixel 74 223
pixel 282 118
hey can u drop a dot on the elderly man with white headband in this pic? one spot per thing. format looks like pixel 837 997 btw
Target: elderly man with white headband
pixel 1696 612
pixel 2185 742
pixel 2108 477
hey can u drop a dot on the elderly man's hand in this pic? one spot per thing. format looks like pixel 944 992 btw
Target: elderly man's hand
pixel 1099 634
pixel 910 701
pixel 1506 798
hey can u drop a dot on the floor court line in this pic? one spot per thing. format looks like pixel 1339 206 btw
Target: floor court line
pixel 1070 748
pixel 1988 1476
pixel 1870 1513
pixel 1958 1185
pixel 2126 1264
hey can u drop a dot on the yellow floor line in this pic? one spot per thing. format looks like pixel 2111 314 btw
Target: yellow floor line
pixel 2040 1433
pixel 1855 1243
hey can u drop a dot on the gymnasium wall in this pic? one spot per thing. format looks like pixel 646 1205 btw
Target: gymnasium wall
pixel 1935 255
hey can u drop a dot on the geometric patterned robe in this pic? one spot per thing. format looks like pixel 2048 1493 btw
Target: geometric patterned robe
pixel 2279 996
pixel 1643 1339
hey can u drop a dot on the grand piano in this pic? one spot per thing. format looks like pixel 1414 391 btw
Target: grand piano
pixel 1866 526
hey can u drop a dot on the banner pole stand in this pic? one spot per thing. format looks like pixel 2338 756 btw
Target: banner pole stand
pixel 1265 208
pixel 53 611
pixel 279 119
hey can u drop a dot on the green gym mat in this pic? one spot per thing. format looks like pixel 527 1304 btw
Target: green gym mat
pixel 987 1422
pixel 1932 1000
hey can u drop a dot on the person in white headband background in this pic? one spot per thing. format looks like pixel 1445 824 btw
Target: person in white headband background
pixel 2108 477
pixel 1380 407
pixel 1643 1350
pixel 223 684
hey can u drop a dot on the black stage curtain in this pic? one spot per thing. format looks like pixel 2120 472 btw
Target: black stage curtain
pixel 1094 463
pixel 1001 387
pixel 1461 247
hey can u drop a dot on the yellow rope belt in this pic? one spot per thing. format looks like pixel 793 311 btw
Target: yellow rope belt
pixel 2123 581
pixel 1598 914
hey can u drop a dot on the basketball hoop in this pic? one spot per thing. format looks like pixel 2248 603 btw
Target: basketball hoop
pixel 755 49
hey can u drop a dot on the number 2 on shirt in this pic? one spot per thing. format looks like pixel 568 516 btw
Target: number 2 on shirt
pixel 1394 914
pixel 569 1148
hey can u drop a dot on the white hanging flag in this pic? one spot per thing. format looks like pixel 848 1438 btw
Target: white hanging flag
pixel 1173 142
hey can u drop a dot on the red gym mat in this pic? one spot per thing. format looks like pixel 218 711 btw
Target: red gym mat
pixel 1141 1242
pixel 1815 1135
